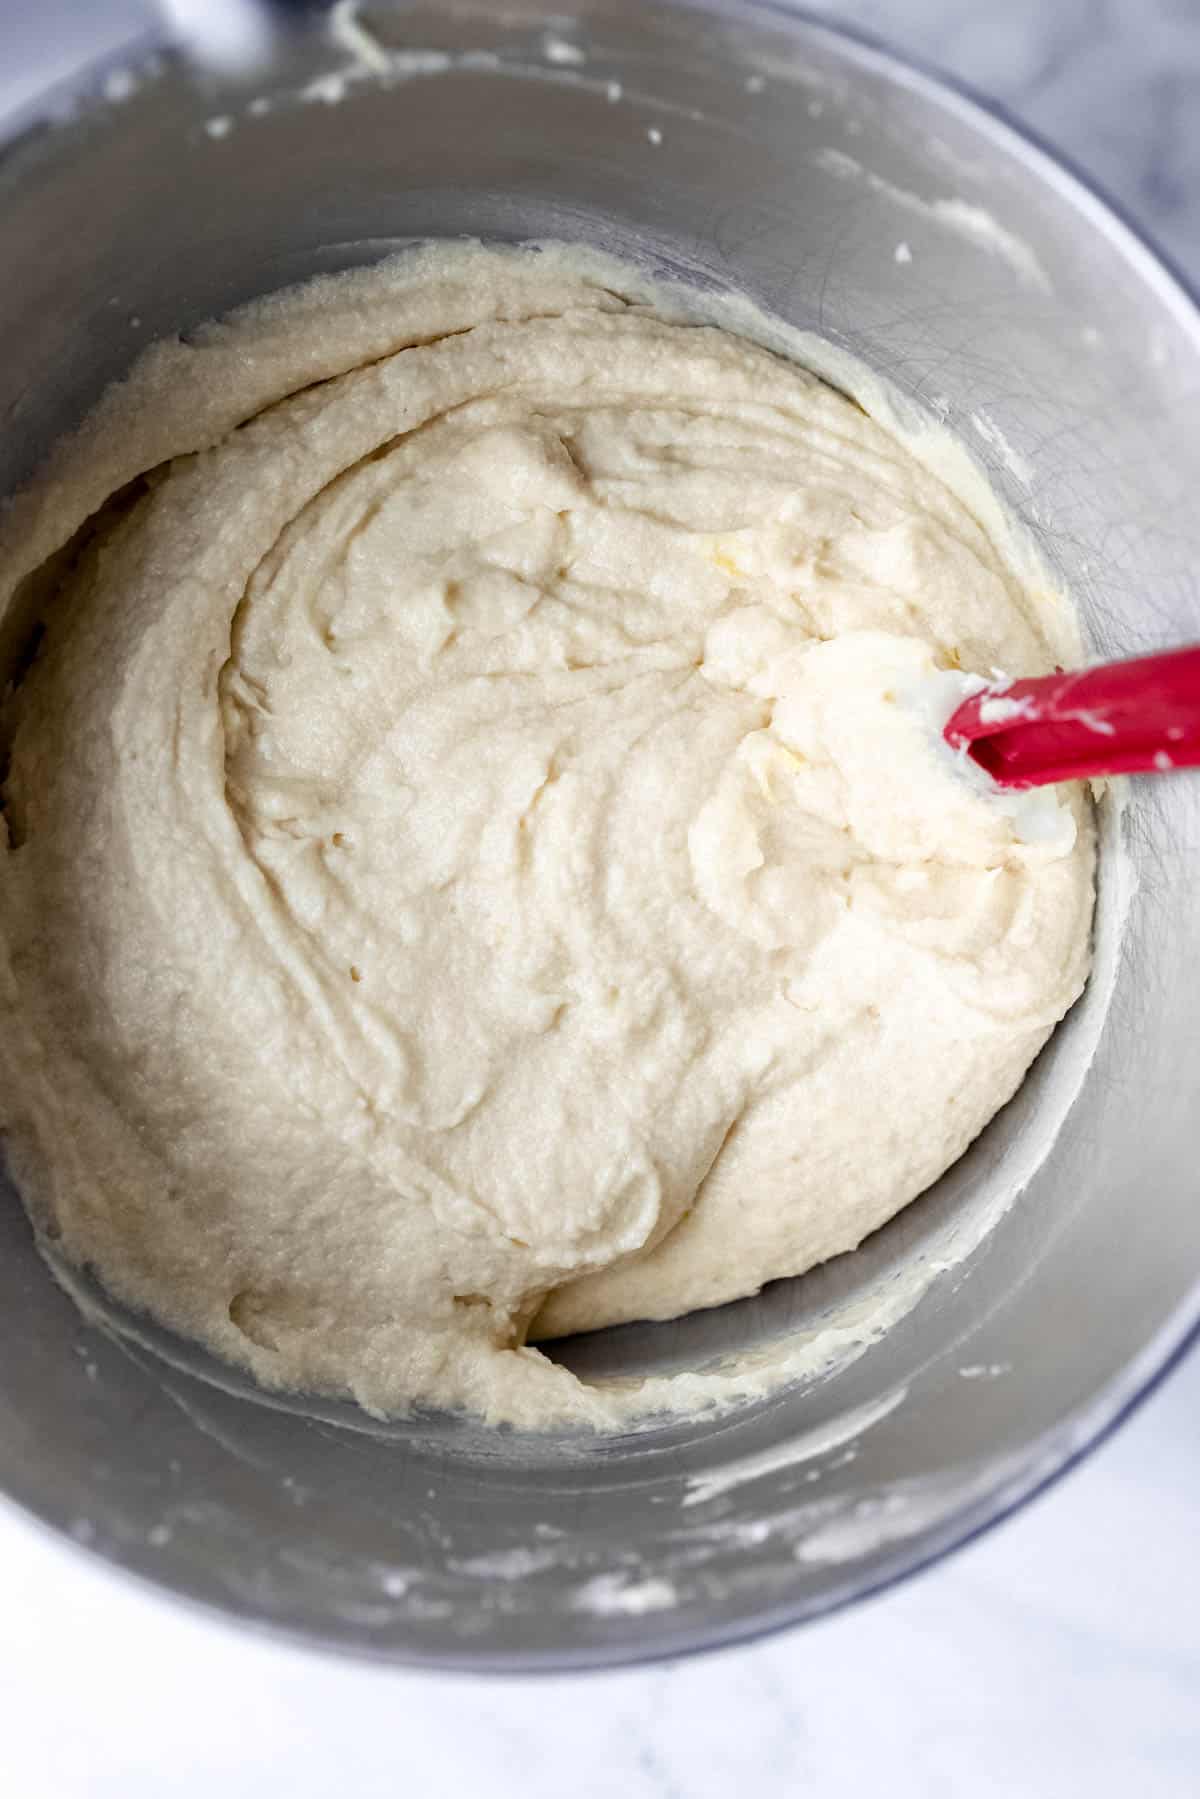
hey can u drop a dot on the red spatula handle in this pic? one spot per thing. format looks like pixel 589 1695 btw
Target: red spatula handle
pixel 1117 719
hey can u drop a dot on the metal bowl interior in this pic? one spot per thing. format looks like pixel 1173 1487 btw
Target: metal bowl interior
pixel 765 154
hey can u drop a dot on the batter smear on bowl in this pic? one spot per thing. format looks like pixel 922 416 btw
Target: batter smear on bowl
pixel 476 868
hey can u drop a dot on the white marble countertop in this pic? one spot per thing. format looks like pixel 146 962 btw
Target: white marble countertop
pixel 1059 1655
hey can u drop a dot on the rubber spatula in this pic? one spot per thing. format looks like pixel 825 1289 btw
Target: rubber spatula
pixel 1118 718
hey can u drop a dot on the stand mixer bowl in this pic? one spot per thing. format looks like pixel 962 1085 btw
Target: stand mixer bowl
pixel 1052 1274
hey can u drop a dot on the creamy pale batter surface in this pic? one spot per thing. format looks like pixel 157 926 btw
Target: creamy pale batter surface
pixel 479 865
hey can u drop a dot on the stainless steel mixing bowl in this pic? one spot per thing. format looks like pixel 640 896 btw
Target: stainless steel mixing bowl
pixel 752 149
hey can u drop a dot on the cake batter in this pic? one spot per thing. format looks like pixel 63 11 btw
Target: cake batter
pixel 480 866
